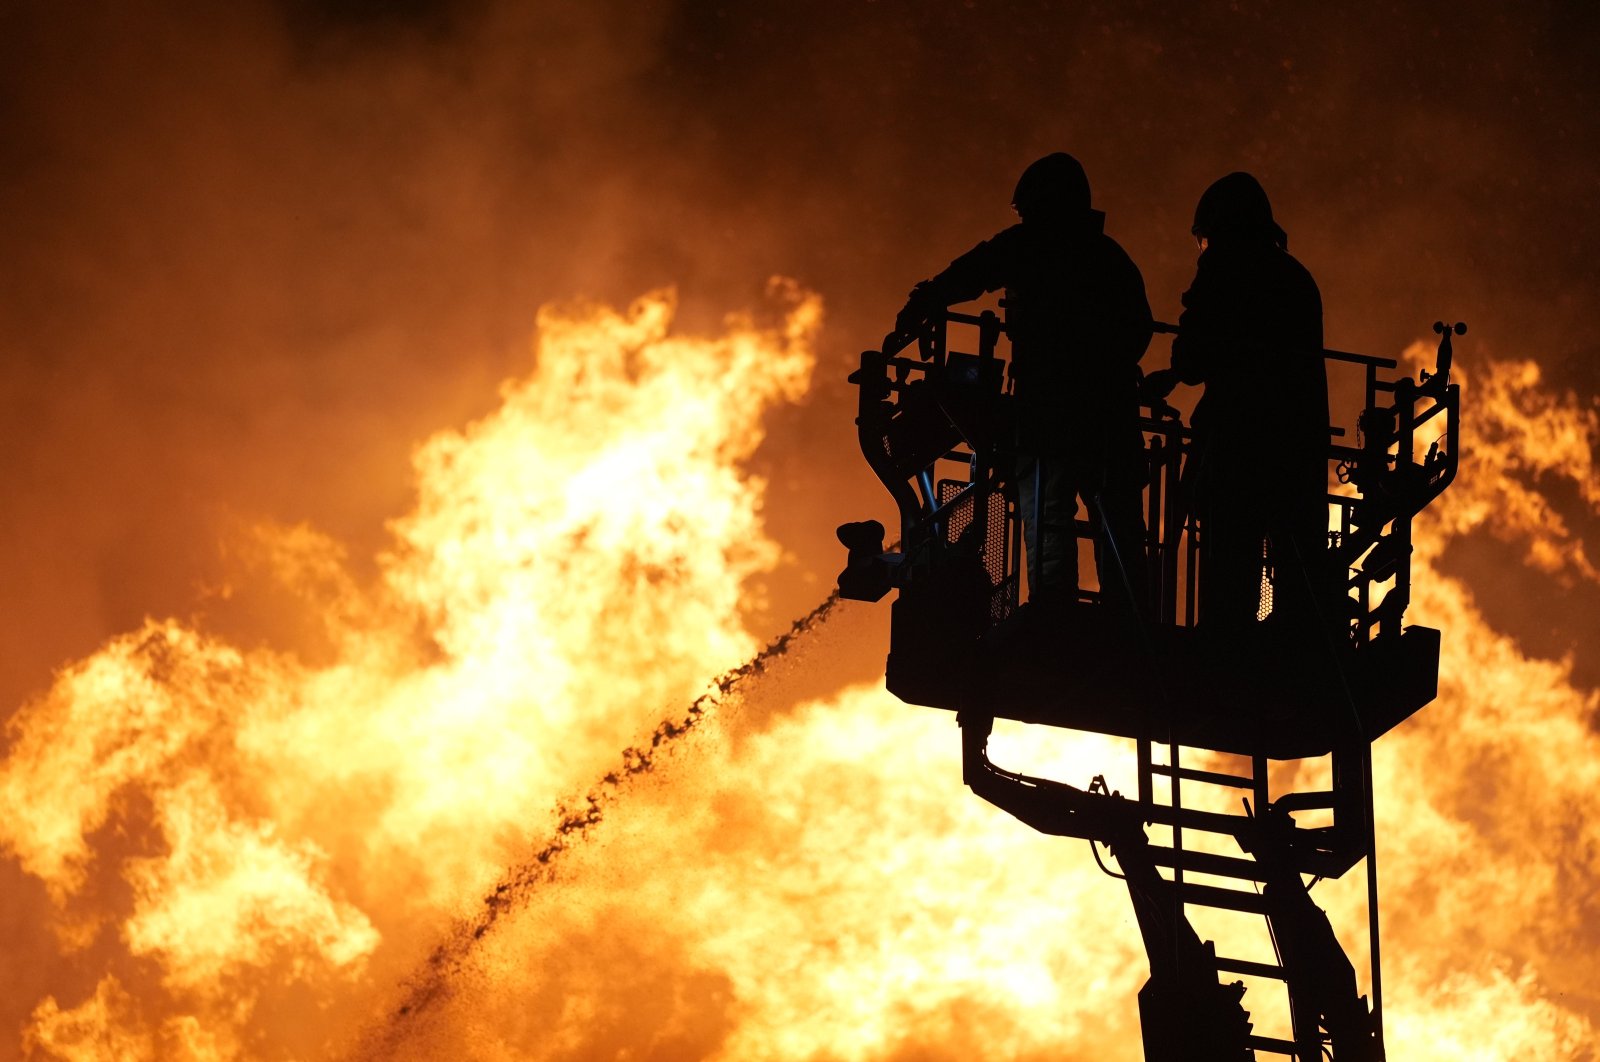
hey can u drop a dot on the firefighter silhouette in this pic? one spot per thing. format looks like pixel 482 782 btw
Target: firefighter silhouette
pixel 1251 333
pixel 1079 322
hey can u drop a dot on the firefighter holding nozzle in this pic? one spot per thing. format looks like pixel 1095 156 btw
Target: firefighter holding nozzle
pixel 1079 322
pixel 1251 333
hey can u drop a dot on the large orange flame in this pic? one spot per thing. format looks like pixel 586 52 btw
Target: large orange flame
pixel 573 565
pixel 252 855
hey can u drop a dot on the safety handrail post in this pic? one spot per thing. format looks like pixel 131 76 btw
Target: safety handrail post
pixel 1155 521
pixel 1405 402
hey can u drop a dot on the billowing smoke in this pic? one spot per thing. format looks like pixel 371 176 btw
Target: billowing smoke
pixel 278 722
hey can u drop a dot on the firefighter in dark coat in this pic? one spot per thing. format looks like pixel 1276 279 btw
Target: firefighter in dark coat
pixel 1251 333
pixel 1079 322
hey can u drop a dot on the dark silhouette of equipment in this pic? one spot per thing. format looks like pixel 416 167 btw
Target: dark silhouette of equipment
pixel 1209 712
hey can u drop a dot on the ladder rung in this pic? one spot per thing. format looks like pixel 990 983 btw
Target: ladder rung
pixel 1207 863
pixel 1321 798
pixel 1326 864
pixel 1228 899
pixel 1275 1045
pixel 1191 819
pixel 1254 969
pixel 1192 775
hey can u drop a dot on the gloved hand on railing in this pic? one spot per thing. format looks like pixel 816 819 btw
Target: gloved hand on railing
pixel 920 308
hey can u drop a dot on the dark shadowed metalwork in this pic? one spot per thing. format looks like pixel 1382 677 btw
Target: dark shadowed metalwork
pixel 1210 709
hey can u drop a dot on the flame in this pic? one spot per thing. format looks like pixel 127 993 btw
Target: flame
pixel 256 855
pixel 1522 436
pixel 1489 818
pixel 573 560
pixel 830 890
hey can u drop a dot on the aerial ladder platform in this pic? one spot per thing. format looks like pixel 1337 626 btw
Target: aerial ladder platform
pixel 1209 828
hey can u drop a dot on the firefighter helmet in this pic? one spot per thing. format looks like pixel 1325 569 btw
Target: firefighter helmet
pixel 1236 206
pixel 1054 186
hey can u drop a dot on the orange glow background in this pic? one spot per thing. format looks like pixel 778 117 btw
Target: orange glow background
pixel 331 599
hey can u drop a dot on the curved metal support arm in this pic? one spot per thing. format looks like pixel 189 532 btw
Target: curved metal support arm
pixel 1051 807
